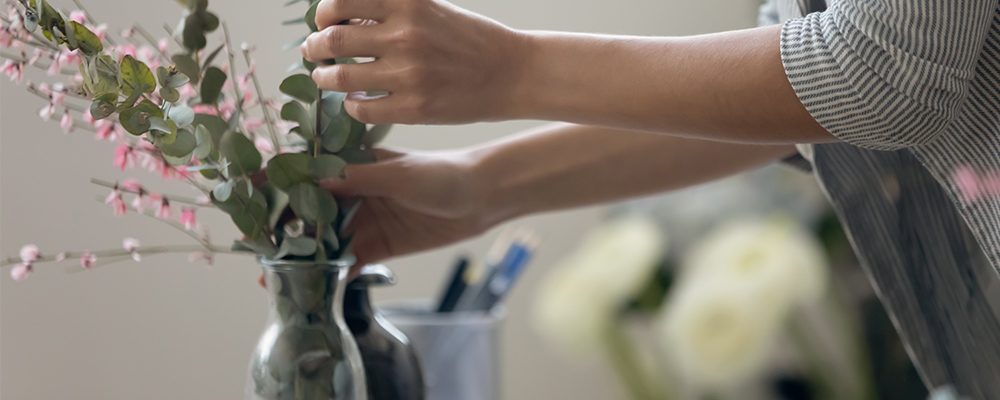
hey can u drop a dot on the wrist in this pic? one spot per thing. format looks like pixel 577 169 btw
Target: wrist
pixel 524 87
pixel 495 201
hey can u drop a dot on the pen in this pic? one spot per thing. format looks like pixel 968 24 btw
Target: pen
pixel 453 291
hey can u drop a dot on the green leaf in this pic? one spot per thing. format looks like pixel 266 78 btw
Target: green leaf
pixel 135 119
pixel 181 115
pixel 297 246
pixel 293 111
pixel 326 166
pixel 249 212
pixel 194 32
pixel 289 169
pixel 136 76
pixel 277 200
pixel 100 75
pixel 259 245
pixel 336 132
pixel 211 57
pixel 187 67
pixel 204 142
pixel 311 16
pixel 312 204
pixel 376 134
pixel 223 190
pixel 211 85
pixel 171 78
pixel 103 106
pixel 182 146
pixel 299 86
pixel 86 41
pixel 179 161
pixel 241 152
pixel 170 94
pixel 163 125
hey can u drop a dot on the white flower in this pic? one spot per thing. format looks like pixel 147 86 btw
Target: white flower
pixel 716 334
pixel 785 263
pixel 585 291
pixel 131 245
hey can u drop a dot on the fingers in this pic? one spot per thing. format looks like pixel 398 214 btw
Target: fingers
pixel 392 108
pixel 333 12
pixel 342 41
pixel 352 77
pixel 378 179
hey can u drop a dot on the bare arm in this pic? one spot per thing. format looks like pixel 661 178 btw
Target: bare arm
pixel 419 201
pixel 445 65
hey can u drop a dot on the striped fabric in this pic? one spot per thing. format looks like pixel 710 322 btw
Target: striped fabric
pixel 912 88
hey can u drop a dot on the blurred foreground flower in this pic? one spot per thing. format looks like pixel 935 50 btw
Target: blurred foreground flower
pixel 737 289
pixel 584 294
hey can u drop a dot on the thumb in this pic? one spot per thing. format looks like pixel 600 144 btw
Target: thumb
pixel 379 179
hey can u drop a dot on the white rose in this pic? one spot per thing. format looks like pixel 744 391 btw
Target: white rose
pixel 584 292
pixel 716 334
pixel 783 262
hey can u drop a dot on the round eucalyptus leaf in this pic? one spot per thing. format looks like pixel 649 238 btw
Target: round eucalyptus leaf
pixel 312 204
pixel 240 152
pixel 86 41
pixel 294 112
pixel 187 67
pixel 301 87
pixel 288 169
pixel 170 94
pixel 181 115
pixel 204 142
pixel 222 191
pixel 211 85
pixel 183 145
pixel 326 166
pixel 136 76
pixel 103 106
pixel 178 161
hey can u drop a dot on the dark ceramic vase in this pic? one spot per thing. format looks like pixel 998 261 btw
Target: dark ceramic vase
pixel 391 366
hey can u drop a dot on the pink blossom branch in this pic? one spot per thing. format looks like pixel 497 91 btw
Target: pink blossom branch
pixel 171 198
pixel 42 41
pixel 13 57
pixel 152 42
pixel 145 251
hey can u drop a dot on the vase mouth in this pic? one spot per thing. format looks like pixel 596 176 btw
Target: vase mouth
pixel 343 262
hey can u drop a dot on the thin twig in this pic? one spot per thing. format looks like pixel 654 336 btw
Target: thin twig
pixel 170 32
pixel 90 19
pixel 145 251
pixel 232 70
pixel 152 41
pixel 172 198
pixel 263 105
pixel 17 58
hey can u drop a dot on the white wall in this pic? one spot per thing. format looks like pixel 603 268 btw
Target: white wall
pixel 166 329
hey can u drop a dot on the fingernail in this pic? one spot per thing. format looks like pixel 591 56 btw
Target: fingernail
pixel 304 50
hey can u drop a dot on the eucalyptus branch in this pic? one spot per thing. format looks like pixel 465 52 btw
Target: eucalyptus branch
pixel 152 41
pixel 90 19
pixel 178 199
pixel 263 104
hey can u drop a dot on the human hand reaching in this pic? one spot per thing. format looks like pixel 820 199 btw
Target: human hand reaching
pixel 439 63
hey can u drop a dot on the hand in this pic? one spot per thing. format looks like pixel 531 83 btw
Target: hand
pixel 440 64
pixel 412 202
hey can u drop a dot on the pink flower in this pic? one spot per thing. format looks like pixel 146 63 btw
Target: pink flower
pixel 202 255
pixel 69 58
pixel 6 37
pixel 67 122
pixel 37 55
pixel 116 202
pixel 187 218
pixel 968 183
pixel 13 70
pixel 163 211
pixel 54 67
pixel 78 16
pixel 126 50
pixel 61 256
pixel 47 111
pixel 163 44
pixel 124 156
pixel 101 31
pixel 252 124
pixel 29 253
pixel 20 271
pixel 87 260
pixel 127 33
pixel 105 130
pixel 131 185
pixel 132 246
pixel 263 145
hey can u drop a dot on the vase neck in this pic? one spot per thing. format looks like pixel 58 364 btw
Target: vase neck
pixel 309 293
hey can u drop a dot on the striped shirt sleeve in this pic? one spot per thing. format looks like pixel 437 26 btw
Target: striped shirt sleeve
pixel 885 74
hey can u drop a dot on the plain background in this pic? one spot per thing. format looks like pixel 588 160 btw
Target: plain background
pixel 169 329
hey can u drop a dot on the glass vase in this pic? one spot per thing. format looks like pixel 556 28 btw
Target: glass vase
pixel 306 351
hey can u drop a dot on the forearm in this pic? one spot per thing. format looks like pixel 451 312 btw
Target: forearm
pixel 563 166
pixel 728 86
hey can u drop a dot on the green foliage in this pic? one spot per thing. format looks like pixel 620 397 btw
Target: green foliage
pixel 312 204
pixel 294 112
pixel 240 152
pixel 300 87
pixel 186 65
pixel 326 166
pixel 182 146
pixel 136 77
pixel 136 120
pixel 100 75
pixel 287 170
pixel 211 85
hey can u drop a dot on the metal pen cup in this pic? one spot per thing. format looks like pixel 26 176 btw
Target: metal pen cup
pixel 458 350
